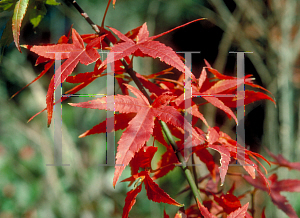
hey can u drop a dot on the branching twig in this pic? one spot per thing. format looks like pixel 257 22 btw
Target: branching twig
pixel 165 128
pixel 85 15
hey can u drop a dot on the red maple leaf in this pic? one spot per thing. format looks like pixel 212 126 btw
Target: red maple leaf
pixel 120 122
pixel 206 158
pixel 238 213
pixel 166 215
pixel 140 128
pixel 142 159
pixel 288 185
pixel 281 161
pixel 215 92
pixel 130 200
pixel 74 53
pixel 145 46
pixel 154 192
pixel 63 39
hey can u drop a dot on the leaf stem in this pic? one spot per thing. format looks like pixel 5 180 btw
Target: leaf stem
pixel 130 71
pixel 252 202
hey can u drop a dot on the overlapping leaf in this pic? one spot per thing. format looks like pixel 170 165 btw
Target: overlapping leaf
pixel 154 193
pixel 130 200
pixel 288 185
pixel 74 53
pixel 144 45
pixel 238 213
pixel 140 128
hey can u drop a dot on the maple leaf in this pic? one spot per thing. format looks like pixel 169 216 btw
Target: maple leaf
pixel 154 192
pixel 130 200
pixel 166 215
pixel 41 59
pixel 120 122
pixel 238 213
pixel 206 158
pixel 249 96
pixel 209 90
pixel 228 201
pixel 166 163
pixel 281 161
pixel 140 128
pixel 74 53
pixel 225 159
pixel 241 154
pixel 144 45
pixel 289 185
pixel 204 211
pixel 142 159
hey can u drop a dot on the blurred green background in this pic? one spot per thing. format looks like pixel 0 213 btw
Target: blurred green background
pixel 30 189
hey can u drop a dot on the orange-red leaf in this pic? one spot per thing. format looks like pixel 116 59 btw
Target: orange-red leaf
pixel 144 45
pixel 75 53
pixel 219 104
pixel 46 68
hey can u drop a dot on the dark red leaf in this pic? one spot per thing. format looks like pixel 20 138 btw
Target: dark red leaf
pixel 156 194
pixel 142 159
pixel 130 200
pixel 166 215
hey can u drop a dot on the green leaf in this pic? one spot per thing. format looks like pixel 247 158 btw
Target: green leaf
pixel 37 13
pixel 19 13
pixel 6 5
pixel 52 2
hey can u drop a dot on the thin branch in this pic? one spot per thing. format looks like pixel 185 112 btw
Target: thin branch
pixel 85 16
pixel 226 41
pixel 165 128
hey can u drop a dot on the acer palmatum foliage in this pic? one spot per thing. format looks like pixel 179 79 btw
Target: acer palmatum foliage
pixel 142 117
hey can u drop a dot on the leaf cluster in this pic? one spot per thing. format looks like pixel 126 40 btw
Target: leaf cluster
pixel 160 115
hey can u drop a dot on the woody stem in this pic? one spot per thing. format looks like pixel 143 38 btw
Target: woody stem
pixel 130 71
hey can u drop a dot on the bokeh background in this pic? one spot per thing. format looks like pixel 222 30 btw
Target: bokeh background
pixel 268 28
